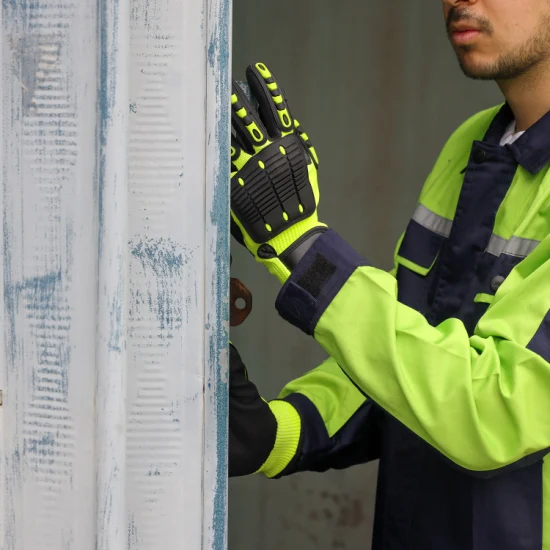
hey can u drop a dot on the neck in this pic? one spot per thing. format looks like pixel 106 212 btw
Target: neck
pixel 528 96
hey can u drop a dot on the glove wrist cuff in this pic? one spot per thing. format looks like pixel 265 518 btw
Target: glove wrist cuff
pixel 293 254
pixel 289 427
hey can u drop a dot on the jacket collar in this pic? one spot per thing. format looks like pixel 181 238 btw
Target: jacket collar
pixel 532 149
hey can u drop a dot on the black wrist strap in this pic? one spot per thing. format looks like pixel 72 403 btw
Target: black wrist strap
pixel 293 254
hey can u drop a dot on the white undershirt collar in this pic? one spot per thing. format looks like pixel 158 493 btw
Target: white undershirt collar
pixel 510 135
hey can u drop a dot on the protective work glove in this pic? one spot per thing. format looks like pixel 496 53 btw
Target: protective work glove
pixel 274 189
pixel 263 437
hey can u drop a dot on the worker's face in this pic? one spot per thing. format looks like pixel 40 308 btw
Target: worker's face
pixel 499 39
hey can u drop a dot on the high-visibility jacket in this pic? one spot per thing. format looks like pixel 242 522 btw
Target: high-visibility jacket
pixel 441 367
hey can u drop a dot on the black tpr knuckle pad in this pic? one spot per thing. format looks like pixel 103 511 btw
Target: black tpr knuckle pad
pixel 268 109
pixel 282 186
pixel 241 123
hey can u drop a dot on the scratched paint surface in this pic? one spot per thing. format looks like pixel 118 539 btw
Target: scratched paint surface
pixel 166 229
pixel 49 281
pixel 114 208
pixel 217 266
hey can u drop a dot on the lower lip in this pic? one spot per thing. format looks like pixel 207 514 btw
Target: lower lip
pixel 465 37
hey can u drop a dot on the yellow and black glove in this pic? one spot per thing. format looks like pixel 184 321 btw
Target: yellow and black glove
pixel 252 424
pixel 263 437
pixel 274 189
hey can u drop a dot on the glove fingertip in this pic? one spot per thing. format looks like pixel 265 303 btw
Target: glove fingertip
pixel 260 68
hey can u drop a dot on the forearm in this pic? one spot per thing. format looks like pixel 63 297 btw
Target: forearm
pixel 436 380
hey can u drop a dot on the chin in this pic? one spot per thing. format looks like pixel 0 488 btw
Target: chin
pixel 475 67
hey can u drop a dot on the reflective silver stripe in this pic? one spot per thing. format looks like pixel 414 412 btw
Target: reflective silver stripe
pixel 496 245
pixel 520 247
pixel 428 219
pixel 516 246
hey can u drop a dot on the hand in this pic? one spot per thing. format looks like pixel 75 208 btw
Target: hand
pixel 274 189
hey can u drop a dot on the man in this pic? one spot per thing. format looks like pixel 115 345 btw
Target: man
pixel 441 367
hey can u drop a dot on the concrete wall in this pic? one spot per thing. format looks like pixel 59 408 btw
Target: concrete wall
pixel 378 89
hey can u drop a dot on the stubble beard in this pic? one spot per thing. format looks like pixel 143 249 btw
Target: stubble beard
pixel 515 64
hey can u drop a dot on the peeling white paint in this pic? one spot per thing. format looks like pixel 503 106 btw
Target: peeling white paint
pixel 218 128
pixel 114 210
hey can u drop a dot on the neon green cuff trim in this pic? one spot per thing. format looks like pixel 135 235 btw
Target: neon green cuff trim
pixel 289 426
pixel 415 267
pixel 484 298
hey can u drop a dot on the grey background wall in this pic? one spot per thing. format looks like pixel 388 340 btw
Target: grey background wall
pixel 378 89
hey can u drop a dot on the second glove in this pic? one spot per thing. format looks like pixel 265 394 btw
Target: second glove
pixel 263 437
